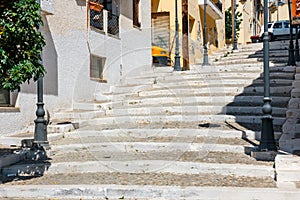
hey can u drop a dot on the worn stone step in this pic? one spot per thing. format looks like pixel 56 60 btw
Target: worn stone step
pixel 257 120
pixel 211 131
pixel 287 168
pixel 87 106
pixel 149 147
pixel 212 90
pixel 251 61
pixel 192 109
pixel 191 84
pixel 185 76
pixel 161 166
pixel 79 115
pixel 117 191
pixel 192 100
pixel 205 73
pixel 163 119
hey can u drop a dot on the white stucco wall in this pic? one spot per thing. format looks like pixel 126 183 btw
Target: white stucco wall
pixel 67 59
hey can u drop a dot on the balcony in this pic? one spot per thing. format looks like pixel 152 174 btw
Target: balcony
pixel 47 7
pixel 105 21
pixel 213 9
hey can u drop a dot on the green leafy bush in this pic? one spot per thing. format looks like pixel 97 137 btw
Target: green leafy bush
pixel 228 22
pixel 21 43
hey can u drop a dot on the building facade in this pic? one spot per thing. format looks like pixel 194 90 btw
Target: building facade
pixel 253 15
pixel 191 25
pixel 86 52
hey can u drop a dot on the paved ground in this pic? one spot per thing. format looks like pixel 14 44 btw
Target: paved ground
pixel 191 154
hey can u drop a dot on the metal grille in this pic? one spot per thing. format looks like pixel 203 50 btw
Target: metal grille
pixel 113 24
pixel 96 19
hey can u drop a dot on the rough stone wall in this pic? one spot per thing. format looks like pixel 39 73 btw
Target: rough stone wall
pixel 290 139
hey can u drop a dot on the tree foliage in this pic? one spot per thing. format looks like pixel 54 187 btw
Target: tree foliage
pixel 228 22
pixel 21 43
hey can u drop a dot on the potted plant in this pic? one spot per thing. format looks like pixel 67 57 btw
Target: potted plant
pixel 254 38
pixel 95 6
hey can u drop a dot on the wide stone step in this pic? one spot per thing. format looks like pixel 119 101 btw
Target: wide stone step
pixel 159 167
pixel 144 147
pixel 198 71
pixel 152 79
pixel 191 84
pixel 161 133
pixel 79 114
pixel 251 61
pixel 204 91
pixel 215 100
pixel 246 110
pixel 212 90
pixel 241 67
pixel 287 168
pixel 87 106
pixel 117 191
pixel 192 109
pixel 258 54
pixel 163 119
pixel 257 120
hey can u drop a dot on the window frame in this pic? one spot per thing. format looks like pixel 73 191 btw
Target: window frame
pixel 136 14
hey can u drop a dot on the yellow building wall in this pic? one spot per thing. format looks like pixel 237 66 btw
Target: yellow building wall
pixel 281 14
pixel 246 27
pixel 215 28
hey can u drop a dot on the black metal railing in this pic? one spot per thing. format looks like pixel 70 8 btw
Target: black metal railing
pixel 96 19
pixel 112 24
pixel 219 5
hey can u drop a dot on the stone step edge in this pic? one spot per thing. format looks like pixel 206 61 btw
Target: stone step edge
pixel 158 166
pixel 147 191
pixel 143 166
pixel 150 147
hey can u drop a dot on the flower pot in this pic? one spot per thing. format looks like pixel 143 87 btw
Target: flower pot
pixel 95 6
pixel 254 39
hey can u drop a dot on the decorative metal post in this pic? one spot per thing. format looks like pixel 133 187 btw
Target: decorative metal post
pixel 267 142
pixel 297 56
pixel 205 55
pixel 234 26
pixel 291 60
pixel 177 66
pixel 40 132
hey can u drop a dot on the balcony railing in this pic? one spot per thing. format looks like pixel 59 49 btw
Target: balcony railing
pixel 219 5
pixel 213 9
pixel 96 19
pixel 113 24
pixel 105 21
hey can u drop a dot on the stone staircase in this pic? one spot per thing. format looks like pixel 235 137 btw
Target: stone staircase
pixel 167 135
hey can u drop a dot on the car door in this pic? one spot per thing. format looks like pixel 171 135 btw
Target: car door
pixel 286 28
pixel 278 29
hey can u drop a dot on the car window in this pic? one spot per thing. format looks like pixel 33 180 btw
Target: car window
pixel 269 25
pixel 286 25
pixel 277 25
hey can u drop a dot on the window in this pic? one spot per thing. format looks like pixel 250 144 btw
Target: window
pixel 286 25
pixel 277 25
pixel 107 4
pixel 97 67
pixel 135 14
